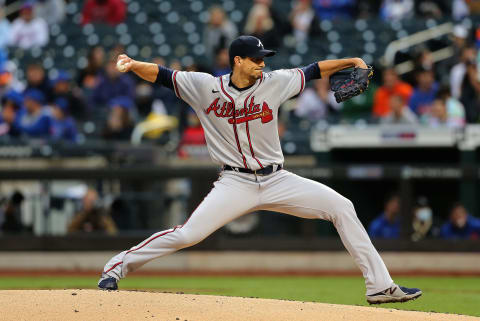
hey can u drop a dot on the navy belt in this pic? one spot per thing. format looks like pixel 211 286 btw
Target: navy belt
pixel 262 172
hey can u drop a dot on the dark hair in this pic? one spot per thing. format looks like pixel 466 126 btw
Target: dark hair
pixel 390 69
pixel 35 65
pixel 232 61
pixel 443 93
pixel 421 201
pixel 455 205
pixel 469 46
pixel 17 198
pixel 391 196
pixel 422 69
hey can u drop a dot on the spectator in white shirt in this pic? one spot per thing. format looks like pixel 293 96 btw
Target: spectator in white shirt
pixel 4 30
pixel 400 113
pixel 301 19
pixel 28 31
pixel 457 73
pixel 219 32
pixel 52 11
pixel 446 111
pixel 396 9
pixel 460 9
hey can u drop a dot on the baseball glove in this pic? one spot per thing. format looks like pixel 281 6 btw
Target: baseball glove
pixel 347 84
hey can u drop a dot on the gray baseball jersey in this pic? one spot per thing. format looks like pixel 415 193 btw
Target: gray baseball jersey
pixel 249 138
pixel 241 130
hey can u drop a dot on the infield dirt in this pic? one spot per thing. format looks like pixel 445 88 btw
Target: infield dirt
pixel 85 305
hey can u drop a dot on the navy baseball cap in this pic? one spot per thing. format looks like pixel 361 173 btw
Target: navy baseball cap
pixel 61 103
pixel 14 97
pixel 248 46
pixel 34 94
pixel 62 76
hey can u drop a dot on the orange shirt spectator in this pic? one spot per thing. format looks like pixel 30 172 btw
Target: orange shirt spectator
pixel 104 11
pixel 392 86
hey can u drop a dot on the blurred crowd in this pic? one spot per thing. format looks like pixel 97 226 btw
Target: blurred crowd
pixel 460 224
pixel 104 215
pixel 91 214
pixel 98 102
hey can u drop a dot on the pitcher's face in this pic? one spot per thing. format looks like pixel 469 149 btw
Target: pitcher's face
pixel 251 67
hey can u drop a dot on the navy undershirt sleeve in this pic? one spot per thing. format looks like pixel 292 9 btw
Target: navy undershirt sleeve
pixel 164 77
pixel 311 71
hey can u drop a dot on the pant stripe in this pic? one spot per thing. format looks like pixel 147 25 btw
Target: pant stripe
pixel 138 248
pixel 153 238
pixel 114 266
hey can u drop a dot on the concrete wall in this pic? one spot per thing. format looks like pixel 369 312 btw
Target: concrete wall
pixel 277 262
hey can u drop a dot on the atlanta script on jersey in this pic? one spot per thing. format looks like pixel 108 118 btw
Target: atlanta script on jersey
pixel 241 127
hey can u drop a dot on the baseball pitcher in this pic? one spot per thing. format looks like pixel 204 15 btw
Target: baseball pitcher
pixel 239 113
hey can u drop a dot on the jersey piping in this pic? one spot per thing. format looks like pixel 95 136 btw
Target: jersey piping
pixel 302 87
pixel 246 126
pixel 175 84
pixel 234 123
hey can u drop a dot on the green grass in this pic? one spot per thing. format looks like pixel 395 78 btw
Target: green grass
pixel 460 295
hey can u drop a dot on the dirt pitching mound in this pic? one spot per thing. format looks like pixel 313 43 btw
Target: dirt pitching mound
pixel 96 305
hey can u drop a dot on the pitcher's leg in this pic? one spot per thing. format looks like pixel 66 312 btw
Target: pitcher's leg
pixel 225 202
pixel 291 194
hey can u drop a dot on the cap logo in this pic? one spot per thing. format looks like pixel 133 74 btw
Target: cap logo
pixel 260 44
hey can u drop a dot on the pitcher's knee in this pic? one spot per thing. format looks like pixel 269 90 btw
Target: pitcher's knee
pixel 349 209
pixel 349 205
pixel 345 209
pixel 186 238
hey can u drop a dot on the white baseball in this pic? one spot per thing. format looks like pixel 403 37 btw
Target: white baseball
pixel 121 66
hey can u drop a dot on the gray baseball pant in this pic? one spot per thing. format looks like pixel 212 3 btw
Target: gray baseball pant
pixel 235 194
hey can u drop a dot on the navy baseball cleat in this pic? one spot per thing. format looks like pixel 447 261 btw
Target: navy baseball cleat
pixel 395 293
pixel 107 282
